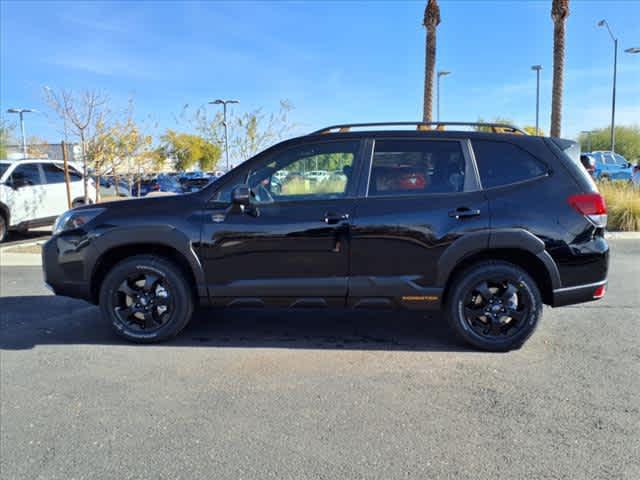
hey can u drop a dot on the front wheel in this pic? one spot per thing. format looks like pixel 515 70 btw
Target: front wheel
pixel 4 228
pixel 146 299
pixel 494 306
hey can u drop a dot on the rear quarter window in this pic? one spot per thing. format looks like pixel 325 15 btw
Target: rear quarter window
pixel 503 163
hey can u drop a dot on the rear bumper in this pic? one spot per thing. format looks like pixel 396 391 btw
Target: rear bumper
pixel 578 294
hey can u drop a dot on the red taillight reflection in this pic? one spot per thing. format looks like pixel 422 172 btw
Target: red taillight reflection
pixel 600 291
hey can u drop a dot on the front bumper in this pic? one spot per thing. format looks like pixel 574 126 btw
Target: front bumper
pixel 64 268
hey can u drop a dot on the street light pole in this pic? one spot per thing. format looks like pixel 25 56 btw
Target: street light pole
pixel 224 124
pixel 604 23
pixel 588 133
pixel 537 68
pixel 441 73
pixel 21 112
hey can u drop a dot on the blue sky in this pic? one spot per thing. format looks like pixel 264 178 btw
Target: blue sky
pixel 335 61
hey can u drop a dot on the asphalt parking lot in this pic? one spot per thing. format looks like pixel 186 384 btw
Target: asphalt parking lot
pixel 283 395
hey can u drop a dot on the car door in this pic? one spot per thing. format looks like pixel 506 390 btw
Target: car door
pixel 27 195
pixel 290 248
pixel 55 189
pixel 422 195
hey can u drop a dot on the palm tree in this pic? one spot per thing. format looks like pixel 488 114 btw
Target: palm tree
pixel 559 14
pixel 431 21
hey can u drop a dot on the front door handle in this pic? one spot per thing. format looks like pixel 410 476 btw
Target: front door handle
pixel 333 218
pixel 464 212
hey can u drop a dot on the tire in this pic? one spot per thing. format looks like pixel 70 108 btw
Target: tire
pixel 127 304
pixel 4 228
pixel 494 306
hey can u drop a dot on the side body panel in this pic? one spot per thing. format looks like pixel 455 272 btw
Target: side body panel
pixel 397 244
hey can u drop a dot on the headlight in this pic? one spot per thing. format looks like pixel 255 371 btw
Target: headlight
pixel 75 219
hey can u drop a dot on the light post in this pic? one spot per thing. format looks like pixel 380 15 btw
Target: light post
pixel 441 73
pixel 604 23
pixel 588 133
pixel 537 69
pixel 224 124
pixel 21 112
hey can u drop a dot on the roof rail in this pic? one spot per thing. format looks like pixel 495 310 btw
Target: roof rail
pixel 422 126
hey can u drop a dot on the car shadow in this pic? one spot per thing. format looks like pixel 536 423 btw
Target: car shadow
pixel 28 321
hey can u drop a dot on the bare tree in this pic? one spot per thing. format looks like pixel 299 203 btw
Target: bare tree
pixel 431 21
pixel 559 14
pixel 249 132
pixel 80 113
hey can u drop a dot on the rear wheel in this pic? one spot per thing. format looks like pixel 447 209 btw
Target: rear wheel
pixel 146 299
pixel 495 306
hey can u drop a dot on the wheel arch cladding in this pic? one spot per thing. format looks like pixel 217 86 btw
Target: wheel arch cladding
pixel 112 256
pixel 515 246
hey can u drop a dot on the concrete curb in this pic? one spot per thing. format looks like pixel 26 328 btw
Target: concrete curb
pixel 622 236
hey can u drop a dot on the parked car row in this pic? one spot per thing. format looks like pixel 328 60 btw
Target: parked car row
pixel 33 191
pixel 175 183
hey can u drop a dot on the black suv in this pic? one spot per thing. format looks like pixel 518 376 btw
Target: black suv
pixel 486 225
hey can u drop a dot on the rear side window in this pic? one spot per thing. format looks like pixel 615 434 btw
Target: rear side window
pixel 502 163
pixel 412 167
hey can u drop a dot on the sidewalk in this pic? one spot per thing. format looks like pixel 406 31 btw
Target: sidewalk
pixel 8 259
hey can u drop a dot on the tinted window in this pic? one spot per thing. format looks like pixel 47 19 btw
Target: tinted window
pixel 53 173
pixel 306 172
pixel 410 167
pixel 3 168
pixel 28 174
pixel 501 163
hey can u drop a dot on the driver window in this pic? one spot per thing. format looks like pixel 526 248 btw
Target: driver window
pixel 27 174
pixel 309 172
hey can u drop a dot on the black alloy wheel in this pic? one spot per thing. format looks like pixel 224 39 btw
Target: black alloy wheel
pixel 147 298
pixel 494 306
pixel 142 301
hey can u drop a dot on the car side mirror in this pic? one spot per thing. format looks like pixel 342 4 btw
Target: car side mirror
pixel 241 195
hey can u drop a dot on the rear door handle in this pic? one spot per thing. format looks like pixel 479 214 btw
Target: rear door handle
pixel 464 212
pixel 333 218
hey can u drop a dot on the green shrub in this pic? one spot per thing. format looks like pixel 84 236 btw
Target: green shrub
pixel 623 205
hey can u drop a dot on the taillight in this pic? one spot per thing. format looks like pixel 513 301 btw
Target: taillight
pixel 592 206
pixel 600 291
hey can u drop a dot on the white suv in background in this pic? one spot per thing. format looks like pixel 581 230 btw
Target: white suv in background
pixel 33 193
